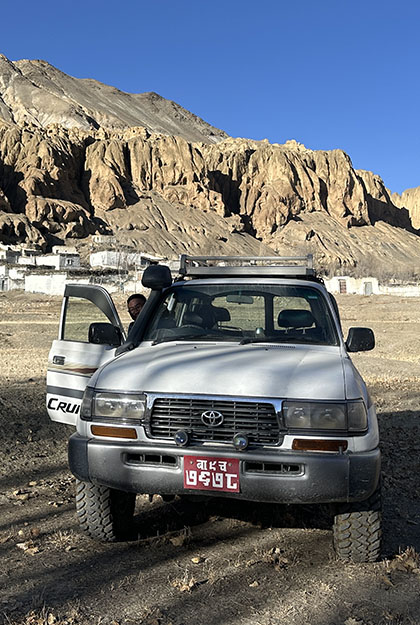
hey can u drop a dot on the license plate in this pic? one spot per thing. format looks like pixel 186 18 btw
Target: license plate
pixel 217 474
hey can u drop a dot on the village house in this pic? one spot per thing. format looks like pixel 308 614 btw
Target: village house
pixel 61 258
pixel 104 239
pixel 28 256
pixel 9 254
pixel 51 282
pixel 359 286
pixel 110 259
pixel 12 278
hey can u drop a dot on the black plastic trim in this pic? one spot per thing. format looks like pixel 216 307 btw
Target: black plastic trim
pixel 68 392
pixel 326 478
pixel 78 457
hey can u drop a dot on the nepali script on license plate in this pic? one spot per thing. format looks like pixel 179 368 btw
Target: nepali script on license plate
pixel 217 474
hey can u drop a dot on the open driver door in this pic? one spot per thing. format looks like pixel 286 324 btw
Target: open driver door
pixel 90 332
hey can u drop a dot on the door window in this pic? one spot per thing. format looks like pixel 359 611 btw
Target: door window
pixel 80 313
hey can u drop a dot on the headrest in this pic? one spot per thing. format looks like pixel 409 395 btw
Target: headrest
pixel 206 312
pixel 192 319
pixel 295 319
pixel 221 314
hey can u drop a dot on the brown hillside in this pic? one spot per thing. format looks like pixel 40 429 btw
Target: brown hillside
pixel 74 162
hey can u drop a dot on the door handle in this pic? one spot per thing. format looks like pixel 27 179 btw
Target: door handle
pixel 59 360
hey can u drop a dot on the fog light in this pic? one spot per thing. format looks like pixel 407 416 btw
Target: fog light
pixel 181 438
pixel 240 441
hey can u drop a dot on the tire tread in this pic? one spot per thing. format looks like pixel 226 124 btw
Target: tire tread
pixel 357 530
pixel 103 513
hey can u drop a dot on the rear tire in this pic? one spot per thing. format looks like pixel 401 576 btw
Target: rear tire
pixel 357 530
pixel 104 513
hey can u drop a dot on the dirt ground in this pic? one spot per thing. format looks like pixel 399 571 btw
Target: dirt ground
pixel 210 564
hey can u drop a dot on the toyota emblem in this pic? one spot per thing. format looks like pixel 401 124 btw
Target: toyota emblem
pixel 212 418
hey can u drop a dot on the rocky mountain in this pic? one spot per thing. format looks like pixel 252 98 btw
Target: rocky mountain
pixel 90 160
pixel 35 92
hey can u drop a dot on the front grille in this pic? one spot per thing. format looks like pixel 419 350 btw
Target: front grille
pixel 256 419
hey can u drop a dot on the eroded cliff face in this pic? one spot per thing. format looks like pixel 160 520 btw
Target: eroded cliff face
pixel 170 195
pixel 410 199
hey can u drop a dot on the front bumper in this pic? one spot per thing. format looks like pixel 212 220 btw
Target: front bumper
pixel 268 476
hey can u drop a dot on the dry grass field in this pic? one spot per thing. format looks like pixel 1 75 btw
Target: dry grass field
pixel 208 564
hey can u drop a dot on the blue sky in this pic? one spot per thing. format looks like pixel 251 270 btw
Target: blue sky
pixel 330 74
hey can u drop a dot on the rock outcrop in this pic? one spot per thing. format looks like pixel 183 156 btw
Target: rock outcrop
pixel 67 177
pixel 410 199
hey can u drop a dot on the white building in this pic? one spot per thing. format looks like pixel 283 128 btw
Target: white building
pixel 9 255
pixel 63 249
pixel 4 275
pixel 109 259
pixel 52 283
pixel 62 260
pixel 404 290
pixel 12 278
pixel 359 286
pixel 28 256
pixel 100 239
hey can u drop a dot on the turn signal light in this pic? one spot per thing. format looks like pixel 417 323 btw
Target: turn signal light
pixel 310 444
pixel 113 432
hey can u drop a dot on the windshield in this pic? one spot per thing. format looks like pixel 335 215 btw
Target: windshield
pixel 243 313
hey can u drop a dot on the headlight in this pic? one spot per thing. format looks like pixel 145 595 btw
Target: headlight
pixel 100 405
pixel 349 416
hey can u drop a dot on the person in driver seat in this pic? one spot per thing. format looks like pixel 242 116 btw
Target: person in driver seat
pixel 135 304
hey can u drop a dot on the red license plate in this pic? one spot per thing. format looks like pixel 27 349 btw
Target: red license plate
pixel 217 474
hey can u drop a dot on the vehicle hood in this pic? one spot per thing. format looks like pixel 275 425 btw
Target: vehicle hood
pixel 241 370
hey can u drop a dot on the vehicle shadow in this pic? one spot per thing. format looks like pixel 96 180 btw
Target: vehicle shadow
pixel 400 441
pixel 42 454
pixel 161 517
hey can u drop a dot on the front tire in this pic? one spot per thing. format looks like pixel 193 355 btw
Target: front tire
pixel 104 513
pixel 357 530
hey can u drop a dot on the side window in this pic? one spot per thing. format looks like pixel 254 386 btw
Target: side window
pixel 169 316
pixel 80 313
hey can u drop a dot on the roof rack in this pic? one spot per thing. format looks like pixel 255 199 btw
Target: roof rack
pixel 246 266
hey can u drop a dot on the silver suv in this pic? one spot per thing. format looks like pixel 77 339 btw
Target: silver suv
pixel 235 381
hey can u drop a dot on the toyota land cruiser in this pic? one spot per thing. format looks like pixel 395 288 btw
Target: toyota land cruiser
pixel 235 381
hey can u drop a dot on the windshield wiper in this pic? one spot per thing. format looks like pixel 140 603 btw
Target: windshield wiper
pixel 246 341
pixel 262 339
pixel 276 339
pixel 190 337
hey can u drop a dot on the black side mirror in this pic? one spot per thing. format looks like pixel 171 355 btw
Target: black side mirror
pixel 360 340
pixel 104 334
pixel 156 277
